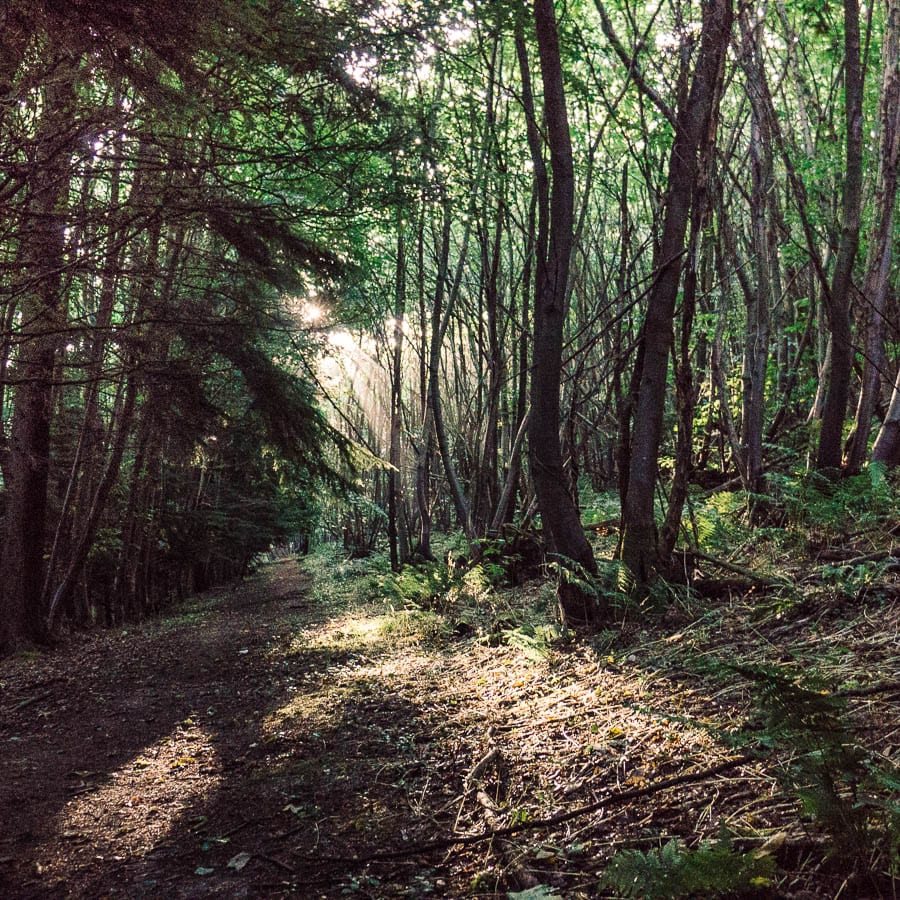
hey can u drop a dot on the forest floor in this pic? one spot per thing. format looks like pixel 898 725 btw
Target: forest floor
pixel 296 735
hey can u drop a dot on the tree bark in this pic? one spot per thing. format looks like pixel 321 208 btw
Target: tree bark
pixel 638 546
pixel 760 300
pixel 79 554
pixel 887 444
pixel 397 539
pixel 559 514
pixel 41 242
pixel 837 299
pixel 425 450
pixel 878 268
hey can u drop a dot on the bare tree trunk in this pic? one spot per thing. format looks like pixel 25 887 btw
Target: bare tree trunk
pixel 838 298
pixel 696 118
pixel 78 556
pixel 878 268
pixel 397 540
pixel 85 462
pixel 760 300
pixel 439 320
pixel 41 241
pixel 559 514
pixel 887 444
pixel 488 487
pixel 425 451
pixel 685 399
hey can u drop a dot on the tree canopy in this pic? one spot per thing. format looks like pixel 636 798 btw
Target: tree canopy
pixel 251 251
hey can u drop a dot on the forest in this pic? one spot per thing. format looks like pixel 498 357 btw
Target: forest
pixel 449 448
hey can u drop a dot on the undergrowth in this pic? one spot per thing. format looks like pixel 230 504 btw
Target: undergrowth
pixel 797 722
pixel 446 599
pixel 797 509
pixel 806 732
pixel 846 789
pixel 673 871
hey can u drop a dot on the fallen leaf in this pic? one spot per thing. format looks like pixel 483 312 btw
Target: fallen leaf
pixel 771 845
pixel 538 892
pixel 200 870
pixel 210 842
pixel 238 862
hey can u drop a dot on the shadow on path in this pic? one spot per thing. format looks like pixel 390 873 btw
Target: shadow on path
pixel 250 729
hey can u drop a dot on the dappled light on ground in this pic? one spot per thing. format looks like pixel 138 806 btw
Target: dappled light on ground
pixel 136 806
pixel 294 736
pixel 345 631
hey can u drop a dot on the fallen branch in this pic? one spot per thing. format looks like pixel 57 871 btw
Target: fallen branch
pixel 28 701
pixel 850 557
pixel 749 574
pixel 273 862
pixel 233 831
pixel 719 587
pixel 615 799
pixel 883 687
pixel 491 758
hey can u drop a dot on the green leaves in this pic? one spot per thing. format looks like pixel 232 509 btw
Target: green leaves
pixel 674 871
pixel 538 892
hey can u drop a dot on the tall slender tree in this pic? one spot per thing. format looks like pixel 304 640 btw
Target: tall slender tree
pixel 838 297
pixel 559 513
pixel 695 130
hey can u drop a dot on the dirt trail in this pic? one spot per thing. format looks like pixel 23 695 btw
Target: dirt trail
pixel 249 746
pixel 268 739
pixel 133 760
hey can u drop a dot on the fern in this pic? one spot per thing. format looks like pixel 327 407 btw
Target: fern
pixel 535 642
pixel 850 793
pixel 864 500
pixel 674 871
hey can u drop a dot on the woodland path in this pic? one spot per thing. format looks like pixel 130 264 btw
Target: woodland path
pixel 292 733
pixel 129 756
pixel 253 728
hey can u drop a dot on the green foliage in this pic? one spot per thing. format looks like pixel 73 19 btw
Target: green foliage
pixel 424 586
pixel 433 600
pixel 357 521
pixel 597 507
pixel 852 793
pixel 795 505
pixel 857 579
pixel 444 586
pixel 719 520
pixel 497 557
pixel 534 641
pixel 420 623
pixel 674 871
pixel 833 507
pixel 538 892
pixel 611 586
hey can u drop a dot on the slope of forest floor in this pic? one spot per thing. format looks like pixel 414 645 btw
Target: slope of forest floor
pixel 297 734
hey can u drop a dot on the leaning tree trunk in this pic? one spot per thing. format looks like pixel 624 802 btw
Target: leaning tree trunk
pixel 887 444
pixel 695 129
